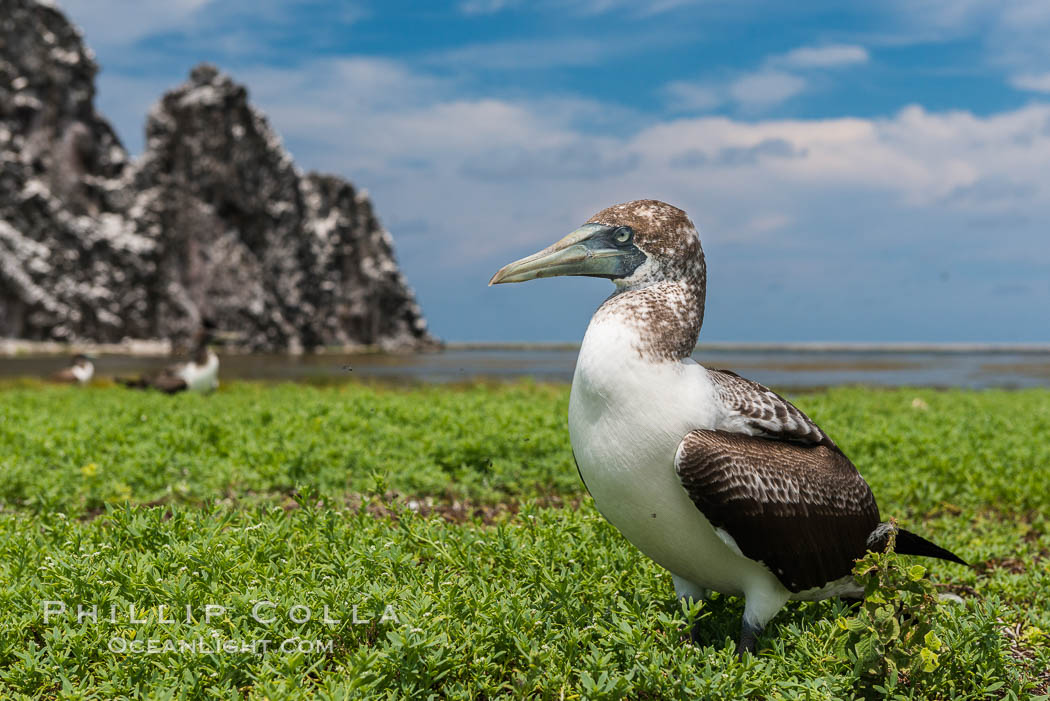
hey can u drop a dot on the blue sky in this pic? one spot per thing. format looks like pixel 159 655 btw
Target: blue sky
pixel 857 171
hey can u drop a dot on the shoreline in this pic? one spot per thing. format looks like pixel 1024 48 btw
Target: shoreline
pixel 16 347
pixel 10 347
pixel 791 347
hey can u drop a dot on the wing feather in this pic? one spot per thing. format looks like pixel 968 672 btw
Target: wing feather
pixel 754 409
pixel 802 510
pixel 169 382
pixel 64 375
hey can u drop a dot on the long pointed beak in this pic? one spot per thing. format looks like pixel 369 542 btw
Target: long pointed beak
pixel 585 251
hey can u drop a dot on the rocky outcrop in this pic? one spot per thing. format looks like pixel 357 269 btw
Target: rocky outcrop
pixel 69 265
pixel 214 219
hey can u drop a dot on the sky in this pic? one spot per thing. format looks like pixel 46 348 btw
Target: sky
pixel 858 172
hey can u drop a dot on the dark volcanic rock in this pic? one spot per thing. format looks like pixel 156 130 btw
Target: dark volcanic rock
pixel 69 265
pixel 213 220
pixel 295 262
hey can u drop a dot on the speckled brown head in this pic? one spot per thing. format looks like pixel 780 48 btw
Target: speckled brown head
pixel 634 244
pixel 664 234
pixel 651 251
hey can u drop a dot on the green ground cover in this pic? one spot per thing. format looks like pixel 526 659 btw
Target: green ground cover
pixel 348 496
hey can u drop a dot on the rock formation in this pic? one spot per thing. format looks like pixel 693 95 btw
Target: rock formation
pixel 213 219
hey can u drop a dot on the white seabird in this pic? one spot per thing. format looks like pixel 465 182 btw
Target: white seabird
pixel 199 374
pixel 80 371
pixel 716 478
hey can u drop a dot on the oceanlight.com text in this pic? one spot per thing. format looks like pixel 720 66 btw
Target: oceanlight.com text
pixel 216 646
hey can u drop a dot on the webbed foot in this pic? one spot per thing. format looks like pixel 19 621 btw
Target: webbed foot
pixel 748 639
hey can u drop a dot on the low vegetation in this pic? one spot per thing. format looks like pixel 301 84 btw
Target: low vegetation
pixel 454 521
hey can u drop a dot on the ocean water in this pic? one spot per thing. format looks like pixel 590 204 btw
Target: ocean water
pixel 787 368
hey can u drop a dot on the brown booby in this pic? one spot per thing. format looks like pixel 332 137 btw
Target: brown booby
pixel 718 479
pixel 79 372
pixel 199 374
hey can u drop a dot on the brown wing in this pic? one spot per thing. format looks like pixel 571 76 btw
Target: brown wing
pixel 755 409
pixel 167 381
pixel 804 511
pixel 64 375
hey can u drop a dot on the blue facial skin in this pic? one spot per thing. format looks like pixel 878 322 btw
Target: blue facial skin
pixel 619 238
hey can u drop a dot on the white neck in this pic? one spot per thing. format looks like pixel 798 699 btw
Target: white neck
pixel 626 391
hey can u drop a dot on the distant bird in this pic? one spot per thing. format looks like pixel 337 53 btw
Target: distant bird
pixel 716 478
pixel 79 372
pixel 199 374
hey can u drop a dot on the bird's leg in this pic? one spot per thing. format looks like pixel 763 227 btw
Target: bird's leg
pixel 686 590
pixel 761 604
pixel 748 638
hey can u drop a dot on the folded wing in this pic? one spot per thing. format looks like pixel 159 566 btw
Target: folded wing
pixel 756 410
pixel 802 510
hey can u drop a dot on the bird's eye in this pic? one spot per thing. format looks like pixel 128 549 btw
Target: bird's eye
pixel 623 234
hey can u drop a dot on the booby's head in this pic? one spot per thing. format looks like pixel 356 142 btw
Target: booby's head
pixel 209 333
pixel 633 244
pixel 81 360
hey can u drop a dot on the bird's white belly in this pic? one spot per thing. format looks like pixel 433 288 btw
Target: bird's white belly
pixel 83 373
pixel 627 417
pixel 201 378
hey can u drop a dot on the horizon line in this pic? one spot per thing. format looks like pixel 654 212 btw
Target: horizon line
pixel 799 346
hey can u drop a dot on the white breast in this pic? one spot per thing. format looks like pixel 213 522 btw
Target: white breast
pixel 201 378
pixel 627 416
pixel 84 372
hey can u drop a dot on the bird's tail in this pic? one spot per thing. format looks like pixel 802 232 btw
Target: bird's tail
pixel 908 543
pixel 132 382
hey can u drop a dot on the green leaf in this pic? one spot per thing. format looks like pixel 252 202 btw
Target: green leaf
pixel 929 659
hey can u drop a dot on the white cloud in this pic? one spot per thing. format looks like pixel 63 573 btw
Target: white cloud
pixel 1013 31
pixel 531 54
pixel 468 166
pixel 337 89
pixel 381 108
pixel 686 96
pixel 779 78
pixel 485 7
pixel 760 225
pixel 749 92
pixel 1039 82
pixel 830 56
pixel 468 181
pixel 651 7
pixel 578 7
pixel 119 22
pixel 218 29
pixel 765 88
pixel 947 15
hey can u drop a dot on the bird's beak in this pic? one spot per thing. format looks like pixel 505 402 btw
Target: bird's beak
pixel 587 251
